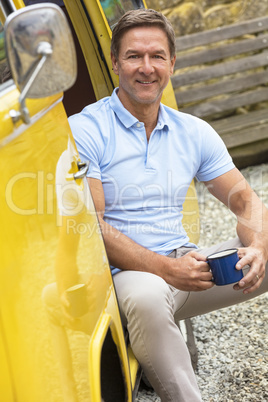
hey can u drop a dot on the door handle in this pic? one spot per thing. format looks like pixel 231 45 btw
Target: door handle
pixel 82 170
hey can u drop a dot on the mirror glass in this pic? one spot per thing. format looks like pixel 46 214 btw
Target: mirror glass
pixel 25 30
pixel 113 10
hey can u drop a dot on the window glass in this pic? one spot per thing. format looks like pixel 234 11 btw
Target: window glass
pixel 4 69
pixel 114 9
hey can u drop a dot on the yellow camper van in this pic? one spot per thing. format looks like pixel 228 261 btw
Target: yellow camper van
pixel 54 60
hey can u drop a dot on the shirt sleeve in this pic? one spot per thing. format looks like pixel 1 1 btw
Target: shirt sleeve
pixel 215 158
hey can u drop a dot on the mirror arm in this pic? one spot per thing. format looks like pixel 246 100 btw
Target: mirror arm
pixel 45 50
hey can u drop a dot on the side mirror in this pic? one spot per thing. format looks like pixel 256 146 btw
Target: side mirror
pixel 40 52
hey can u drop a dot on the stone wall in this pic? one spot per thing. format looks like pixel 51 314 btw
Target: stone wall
pixel 194 16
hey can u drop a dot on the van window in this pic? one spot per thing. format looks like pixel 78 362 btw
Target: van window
pixel 113 10
pixel 5 74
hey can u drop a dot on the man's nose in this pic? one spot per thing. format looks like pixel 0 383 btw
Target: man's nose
pixel 146 66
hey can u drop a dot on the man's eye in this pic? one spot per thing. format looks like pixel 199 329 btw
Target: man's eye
pixel 157 56
pixel 133 56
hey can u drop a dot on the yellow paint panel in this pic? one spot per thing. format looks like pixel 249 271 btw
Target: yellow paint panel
pixel 5 371
pixel 44 251
pixel 29 235
pixel 33 241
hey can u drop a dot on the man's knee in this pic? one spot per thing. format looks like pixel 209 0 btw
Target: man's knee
pixel 144 294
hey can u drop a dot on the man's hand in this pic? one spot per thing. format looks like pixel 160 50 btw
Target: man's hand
pixel 255 258
pixel 190 273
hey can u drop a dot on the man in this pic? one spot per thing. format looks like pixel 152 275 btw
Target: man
pixel 143 157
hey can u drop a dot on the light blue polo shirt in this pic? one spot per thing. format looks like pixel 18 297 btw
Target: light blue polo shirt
pixel 145 183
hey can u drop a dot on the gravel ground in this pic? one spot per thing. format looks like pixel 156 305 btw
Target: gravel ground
pixel 232 342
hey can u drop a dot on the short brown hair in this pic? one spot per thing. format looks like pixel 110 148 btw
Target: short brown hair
pixel 140 18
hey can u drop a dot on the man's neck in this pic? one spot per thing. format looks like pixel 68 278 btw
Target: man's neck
pixel 149 116
pixel 145 113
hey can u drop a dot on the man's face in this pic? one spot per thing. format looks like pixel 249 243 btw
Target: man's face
pixel 144 66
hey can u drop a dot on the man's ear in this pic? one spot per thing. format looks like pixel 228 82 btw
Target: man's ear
pixel 114 63
pixel 172 64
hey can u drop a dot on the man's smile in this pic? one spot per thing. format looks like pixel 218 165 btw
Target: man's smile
pixel 145 82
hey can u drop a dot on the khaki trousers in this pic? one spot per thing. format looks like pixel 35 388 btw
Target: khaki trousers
pixel 149 308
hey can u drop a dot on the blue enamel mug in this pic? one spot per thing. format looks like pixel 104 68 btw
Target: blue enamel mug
pixel 222 265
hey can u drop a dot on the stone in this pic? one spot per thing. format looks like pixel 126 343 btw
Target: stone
pixel 186 18
pixel 223 14
pixel 160 5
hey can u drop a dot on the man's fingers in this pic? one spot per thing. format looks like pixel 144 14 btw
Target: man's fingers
pixel 206 276
pixel 198 256
pixel 248 286
pixel 205 267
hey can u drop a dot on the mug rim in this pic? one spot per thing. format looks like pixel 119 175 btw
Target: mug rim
pixel 229 251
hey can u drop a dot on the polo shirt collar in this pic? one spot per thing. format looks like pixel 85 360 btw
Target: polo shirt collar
pixel 128 120
pixel 163 120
